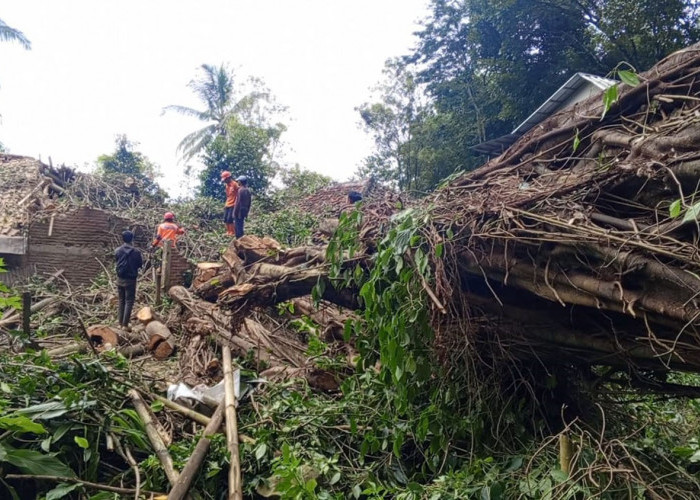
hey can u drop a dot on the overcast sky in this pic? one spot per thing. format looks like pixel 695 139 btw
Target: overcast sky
pixel 100 68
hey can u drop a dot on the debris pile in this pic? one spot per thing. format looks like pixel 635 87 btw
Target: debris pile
pixel 27 186
pixel 574 250
pixel 329 201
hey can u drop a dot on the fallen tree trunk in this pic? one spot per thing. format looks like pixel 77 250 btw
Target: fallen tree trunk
pixel 282 287
pixel 587 231
pixel 285 356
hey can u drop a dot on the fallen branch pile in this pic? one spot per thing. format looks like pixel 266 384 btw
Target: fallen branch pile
pixel 566 249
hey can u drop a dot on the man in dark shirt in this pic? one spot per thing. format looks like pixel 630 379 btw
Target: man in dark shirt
pixel 242 206
pixel 129 261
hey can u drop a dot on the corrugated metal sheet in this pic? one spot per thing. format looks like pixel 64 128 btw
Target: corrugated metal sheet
pixel 566 95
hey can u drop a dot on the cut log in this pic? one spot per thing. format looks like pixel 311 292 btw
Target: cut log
pixel 253 248
pixel 204 272
pixel 103 337
pixel 145 315
pixel 131 351
pixel 66 350
pixel 160 340
pixel 235 263
pixel 211 288
pixel 295 283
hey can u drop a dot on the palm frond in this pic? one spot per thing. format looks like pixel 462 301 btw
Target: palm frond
pixel 195 142
pixel 9 34
pixel 184 110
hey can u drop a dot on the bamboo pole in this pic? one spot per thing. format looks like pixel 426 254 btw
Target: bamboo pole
pixel 154 438
pixel 165 270
pixel 14 317
pixel 26 313
pixel 156 280
pixel 187 412
pixel 565 453
pixel 235 486
pixel 182 486
pixel 196 416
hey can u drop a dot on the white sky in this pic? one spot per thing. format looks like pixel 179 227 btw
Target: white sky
pixel 98 68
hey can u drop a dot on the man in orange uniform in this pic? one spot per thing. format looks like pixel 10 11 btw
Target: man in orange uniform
pixel 167 230
pixel 231 194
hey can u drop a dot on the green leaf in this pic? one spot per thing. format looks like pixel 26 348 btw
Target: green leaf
pixel 559 475
pixel 628 77
pixel 260 451
pixel 61 491
pixel 157 406
pixel 514 464
pixel 46 444
pixel 34 462
pixel 692 213
pixel 335 478
pixel 82 442
pixel 609 98
pixel 675 209
pixel 310 485
pixel 21 423
pixel 61 431
pixel 577 141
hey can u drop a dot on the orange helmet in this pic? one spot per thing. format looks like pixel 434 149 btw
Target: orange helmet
pixel 169 216
pixel 225 175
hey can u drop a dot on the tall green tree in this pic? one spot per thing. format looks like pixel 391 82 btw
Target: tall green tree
pixel 223 100
pixel 125 161
pixel 642 32
pixel 300 182
pixel 10 34
pixel 393 122
pixel 243 150
pixel 487 64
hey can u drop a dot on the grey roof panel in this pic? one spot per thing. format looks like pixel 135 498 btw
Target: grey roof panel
pixel 563 93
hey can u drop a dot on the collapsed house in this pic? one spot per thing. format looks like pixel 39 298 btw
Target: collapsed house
pixel 47 226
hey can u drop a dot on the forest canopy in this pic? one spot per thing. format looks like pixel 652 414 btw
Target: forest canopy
pixel 480 67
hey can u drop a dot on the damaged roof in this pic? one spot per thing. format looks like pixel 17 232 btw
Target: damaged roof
pixel 330 200
pixel 26 186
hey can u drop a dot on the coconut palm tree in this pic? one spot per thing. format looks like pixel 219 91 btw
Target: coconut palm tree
pixel 215 88
pixel 9 34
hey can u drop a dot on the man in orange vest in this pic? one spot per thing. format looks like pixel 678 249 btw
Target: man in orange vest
pixel 231 194
pixel 167 230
